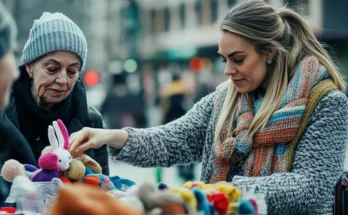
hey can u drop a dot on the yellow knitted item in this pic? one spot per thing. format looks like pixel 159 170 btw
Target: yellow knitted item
pixel 231 191
pixel 316 94
pixel 232 208
pixel 200 184
pixel 188 196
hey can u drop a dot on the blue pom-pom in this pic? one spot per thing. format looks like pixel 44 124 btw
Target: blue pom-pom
pixel 162 186
pixel 245 207
pixel 203 204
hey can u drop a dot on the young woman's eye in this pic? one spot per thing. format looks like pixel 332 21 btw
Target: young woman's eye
pixel 238 60
pixel 52 69
pixel 223 60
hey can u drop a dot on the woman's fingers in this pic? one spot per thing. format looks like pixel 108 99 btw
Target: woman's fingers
pixel 83 147
pixel 78 138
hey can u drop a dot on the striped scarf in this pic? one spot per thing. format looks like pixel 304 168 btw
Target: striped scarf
pixel 267 151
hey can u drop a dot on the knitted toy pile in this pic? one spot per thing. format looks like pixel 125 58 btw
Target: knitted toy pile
pixel 35 189
pixel 57 167
pixel 193 198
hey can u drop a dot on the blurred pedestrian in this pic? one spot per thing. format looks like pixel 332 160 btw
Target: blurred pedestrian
pixel 49 87
pixel 173 99
pixel 279 124
pixel 12 143
pixel 120 107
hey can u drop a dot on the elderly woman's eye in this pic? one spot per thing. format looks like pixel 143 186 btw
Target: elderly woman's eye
pixel 52 69
pixel 72 72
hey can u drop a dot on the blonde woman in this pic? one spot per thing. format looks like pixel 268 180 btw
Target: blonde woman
pixel 279 123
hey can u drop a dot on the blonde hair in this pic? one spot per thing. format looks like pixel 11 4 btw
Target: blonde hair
pixel 265 28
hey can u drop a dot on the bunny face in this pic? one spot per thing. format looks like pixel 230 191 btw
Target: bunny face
pixel 59 140
pixel 64 159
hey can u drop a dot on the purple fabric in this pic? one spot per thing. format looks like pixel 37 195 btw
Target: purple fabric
pixel 45 175
pixel 30 168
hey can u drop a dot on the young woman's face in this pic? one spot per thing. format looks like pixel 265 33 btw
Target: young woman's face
pixel 244 65
pixel 54 77
pixel 8 74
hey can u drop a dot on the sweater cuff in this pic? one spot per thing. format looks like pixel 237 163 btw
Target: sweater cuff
pixel 116 154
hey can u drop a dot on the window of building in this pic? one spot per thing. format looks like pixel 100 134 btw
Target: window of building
pixel 153 20
pixel 198 10
pixel 166 19
pixel 214 10
pixel 159 21
pixel 206 12
pixel 182 15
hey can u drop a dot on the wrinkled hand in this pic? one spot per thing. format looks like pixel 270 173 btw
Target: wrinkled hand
pixel 94 138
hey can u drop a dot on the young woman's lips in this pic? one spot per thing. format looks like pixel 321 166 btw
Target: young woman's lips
pixel 237 81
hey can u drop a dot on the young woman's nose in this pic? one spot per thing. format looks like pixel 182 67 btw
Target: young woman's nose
pixel 230 70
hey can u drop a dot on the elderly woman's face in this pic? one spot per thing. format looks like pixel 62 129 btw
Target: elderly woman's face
pixel 54 77
pixel 8 74
pixel 244 65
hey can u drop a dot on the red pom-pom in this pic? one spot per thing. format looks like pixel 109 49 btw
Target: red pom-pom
pixel 220 201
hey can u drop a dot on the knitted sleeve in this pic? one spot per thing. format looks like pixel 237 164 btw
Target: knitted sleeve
pixel 178 142
pixel 318 162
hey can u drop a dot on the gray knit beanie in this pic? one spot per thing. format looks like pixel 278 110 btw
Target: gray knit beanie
pixel 8 31
pixel 53 32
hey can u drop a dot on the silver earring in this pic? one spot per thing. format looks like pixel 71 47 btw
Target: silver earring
pixel 269 61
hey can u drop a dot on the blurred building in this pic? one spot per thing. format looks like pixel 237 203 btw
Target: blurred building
pixel 181 29
pixel 149 39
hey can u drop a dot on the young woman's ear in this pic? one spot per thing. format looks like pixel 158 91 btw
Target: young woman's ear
pixel 271 53
pixel 29 68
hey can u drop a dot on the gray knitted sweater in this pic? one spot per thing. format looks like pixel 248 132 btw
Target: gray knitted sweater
pixel 307 189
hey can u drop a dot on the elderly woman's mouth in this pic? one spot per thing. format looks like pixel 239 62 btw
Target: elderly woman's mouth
pixel 58 92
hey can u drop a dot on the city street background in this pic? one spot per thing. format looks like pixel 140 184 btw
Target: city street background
pixel 137 47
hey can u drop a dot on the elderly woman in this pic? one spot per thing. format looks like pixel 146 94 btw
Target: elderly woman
pixel 49 87
pixel 279 123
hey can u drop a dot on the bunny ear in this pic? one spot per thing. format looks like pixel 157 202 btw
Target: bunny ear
pixel 52 137
pixel 59 134
pixel 64 133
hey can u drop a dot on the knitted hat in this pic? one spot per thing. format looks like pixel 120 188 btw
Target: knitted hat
pixel 8 31
pixel 53 32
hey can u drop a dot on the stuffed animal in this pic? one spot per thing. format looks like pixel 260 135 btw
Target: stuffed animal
pixel 51 163
pixel 167 201
pixel 11 169
pixel 84 169
pixel 82 165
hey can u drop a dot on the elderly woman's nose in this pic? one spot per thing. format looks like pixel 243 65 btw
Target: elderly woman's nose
pixel 62 77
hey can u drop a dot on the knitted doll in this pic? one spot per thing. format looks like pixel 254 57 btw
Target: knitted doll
pixel 51 163
pixel 83 168
pixel 57 160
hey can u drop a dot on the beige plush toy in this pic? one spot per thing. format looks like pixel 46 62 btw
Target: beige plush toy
pixel 77 169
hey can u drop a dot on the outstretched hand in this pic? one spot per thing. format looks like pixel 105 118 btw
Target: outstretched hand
pixel 94 138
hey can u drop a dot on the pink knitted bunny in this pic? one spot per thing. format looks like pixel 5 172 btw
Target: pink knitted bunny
pixel 51 163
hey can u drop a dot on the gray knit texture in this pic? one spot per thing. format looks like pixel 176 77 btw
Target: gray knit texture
pixel 54 32
pixel 8 31
pixel 307 189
